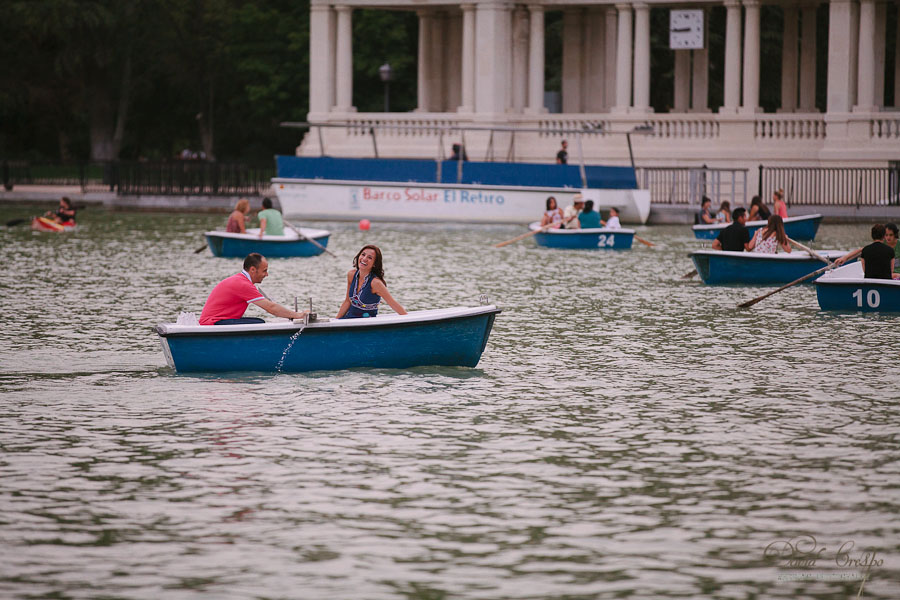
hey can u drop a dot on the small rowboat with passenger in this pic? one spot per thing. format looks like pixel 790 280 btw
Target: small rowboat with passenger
pixel 583 239
pixel 46 224
pixel 448 336
pixel 239 245
pixel 845 288
pixel 802 228
pixel 718 267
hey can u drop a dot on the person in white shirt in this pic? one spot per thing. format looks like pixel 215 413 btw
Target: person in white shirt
pixel 570 214
pixel 613 221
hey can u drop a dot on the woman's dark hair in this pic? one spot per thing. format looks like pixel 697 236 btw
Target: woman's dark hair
pixel 549 200
pixel 755 201
pixel 588 206
pixel 377 268
pixel 892 227
pixel 775 224
pixel 67 201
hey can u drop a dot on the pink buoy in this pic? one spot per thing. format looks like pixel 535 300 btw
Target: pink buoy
pixel 364 224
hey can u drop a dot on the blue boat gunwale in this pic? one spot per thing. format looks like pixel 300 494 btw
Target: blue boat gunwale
pixel 594 230
pixel 752 224
pixel 291 238
pixel 796 255
pixel 270 328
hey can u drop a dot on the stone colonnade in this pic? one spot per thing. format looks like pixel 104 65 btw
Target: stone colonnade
pixel 487 57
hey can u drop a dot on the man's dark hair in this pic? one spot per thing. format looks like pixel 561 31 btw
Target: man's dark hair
pixel 877 231
pixel 893 228
pixel 704 200
pixel 253 260
pixel 737 213
pixel 267 203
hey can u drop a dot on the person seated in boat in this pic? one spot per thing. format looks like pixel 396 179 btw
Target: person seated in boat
pixel 758 210
pixel 877 259
pixel 570 214
pixel 237 220
pixel 891 235
pixel 459 153
pixel 270 219
pixel 613 221
pixel 771 238
pixel 65 214
pixel 706 216
pixel 366 286
pixel 735 237
pixel 589 218
pixel 724 214
pixel 778 205
pixel 553 216
pixel 228 301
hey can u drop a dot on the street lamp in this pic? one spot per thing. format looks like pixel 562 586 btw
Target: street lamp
pixel 386 73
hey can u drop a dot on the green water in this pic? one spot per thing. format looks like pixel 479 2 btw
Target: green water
pixel 627 434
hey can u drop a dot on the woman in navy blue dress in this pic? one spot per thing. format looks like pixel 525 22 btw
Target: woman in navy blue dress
pixel 366 287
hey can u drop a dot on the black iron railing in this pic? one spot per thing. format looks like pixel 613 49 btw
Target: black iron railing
pixel 834 186
pixel 181 178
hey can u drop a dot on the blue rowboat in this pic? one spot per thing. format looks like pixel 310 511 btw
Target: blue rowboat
pixel 584 239
pixel 449 336
pixel 717 267
pixel 239 245
pixel 802 228
pixel 845 288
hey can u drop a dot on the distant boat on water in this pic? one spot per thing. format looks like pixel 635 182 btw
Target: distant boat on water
pixel 801 228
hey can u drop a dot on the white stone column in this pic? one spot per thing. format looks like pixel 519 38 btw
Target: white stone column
pixel 492 43
pixel 321 72
pixel 839 55
pixel 790 37
pixel 751 57
pixel 808 59
pixel 437 80
pixel 641 57
pixel 519 59
pixel 700 79
pixel 536 59
pixel 897 67
pixel 732 56
pixel 572 53
pixel 609 54
pixel 344 60
pixel 682 81
pixel 468 58
pixel 865 91
pixel 423 77
pixel 623 59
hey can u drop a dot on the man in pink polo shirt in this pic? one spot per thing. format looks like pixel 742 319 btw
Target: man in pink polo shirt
pixel 229 299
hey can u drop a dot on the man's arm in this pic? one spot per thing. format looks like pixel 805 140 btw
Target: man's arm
pixel 716 245
pixel 262 226
pixel 277 310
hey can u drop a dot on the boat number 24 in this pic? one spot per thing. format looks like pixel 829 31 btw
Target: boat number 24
pixel 873 298
pixel 606 240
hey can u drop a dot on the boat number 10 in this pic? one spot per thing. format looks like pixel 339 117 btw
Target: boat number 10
pixel 606 240
pixel 873 298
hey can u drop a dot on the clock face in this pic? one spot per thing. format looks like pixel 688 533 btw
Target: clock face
pixel 686 29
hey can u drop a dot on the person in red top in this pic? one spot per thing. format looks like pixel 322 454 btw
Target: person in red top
pixel 229 299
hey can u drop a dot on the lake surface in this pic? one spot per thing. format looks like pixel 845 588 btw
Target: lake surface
pixel 627 434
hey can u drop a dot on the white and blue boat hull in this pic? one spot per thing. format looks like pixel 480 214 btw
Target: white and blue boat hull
pixel 448 337
pixel 584 239
pixel 718 267
pixel 239 245
pixel 846 289
pixel 802 228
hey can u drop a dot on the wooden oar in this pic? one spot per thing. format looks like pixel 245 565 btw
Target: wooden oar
pixel 309 239
pixel 645 242
pixel 809 251
pixel 750 303
pixel 200 249
pixel 15 222
pixel 530 233
pixel 689 275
